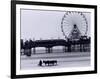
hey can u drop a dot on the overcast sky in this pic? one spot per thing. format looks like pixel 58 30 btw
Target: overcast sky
pixel 43 24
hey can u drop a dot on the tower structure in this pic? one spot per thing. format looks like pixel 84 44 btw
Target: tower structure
pixel 75 33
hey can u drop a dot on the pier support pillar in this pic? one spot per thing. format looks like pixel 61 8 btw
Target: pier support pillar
pixel 64 49
pixel 69 48
pixel 34 51
pixel 48 50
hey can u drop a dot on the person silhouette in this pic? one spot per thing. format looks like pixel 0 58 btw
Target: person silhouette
pixel 40 63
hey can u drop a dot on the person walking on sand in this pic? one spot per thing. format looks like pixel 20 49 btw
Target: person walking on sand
pixel 40 63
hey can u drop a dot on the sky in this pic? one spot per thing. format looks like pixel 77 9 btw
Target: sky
pixel 42 24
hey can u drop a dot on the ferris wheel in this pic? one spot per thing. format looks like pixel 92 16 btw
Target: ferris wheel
pixel 72 20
